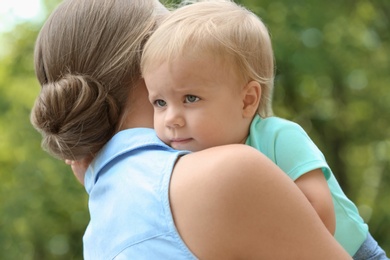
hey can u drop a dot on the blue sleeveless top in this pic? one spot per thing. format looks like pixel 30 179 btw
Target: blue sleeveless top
pixel 128 186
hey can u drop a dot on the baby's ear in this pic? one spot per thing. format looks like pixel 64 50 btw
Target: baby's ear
pixel 251 94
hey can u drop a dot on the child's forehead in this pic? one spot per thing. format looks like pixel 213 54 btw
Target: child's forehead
pixel 207 70
pixel 197 65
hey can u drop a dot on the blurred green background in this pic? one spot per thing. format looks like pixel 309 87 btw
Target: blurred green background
pixel 333 64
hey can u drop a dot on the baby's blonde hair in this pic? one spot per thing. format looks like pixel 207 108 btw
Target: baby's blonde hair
pixel 220 28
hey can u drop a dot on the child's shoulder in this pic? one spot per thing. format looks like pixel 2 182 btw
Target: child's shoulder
pixel 275 123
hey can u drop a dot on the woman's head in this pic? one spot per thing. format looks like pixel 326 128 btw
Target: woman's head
pixel 87 60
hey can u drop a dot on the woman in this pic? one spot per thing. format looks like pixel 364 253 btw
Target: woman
pixel 146 200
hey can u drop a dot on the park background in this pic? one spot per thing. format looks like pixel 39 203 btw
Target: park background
pixel 333 78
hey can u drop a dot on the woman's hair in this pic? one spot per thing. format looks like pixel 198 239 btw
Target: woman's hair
pixel 220 29
pixel 87 60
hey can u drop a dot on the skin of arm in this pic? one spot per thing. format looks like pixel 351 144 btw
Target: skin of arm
pixel 231 202
pixel 314 186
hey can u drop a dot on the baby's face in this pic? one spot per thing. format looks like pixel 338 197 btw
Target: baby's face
pixel 197 104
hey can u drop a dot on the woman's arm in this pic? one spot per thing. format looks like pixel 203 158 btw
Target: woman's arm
pixel 232 202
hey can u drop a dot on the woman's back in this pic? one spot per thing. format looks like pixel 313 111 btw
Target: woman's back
pixel 129 200
pixel 214 205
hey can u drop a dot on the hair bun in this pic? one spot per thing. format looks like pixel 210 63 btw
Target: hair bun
pixel 75 115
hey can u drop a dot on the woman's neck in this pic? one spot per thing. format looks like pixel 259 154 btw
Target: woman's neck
pixel 138 111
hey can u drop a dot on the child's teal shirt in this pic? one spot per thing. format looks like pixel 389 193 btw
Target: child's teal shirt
pixel 288 145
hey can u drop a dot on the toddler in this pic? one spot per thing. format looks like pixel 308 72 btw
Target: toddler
pixel 209 70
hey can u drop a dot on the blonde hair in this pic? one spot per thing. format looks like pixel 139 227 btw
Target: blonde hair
pixel 87 60
pixel 220 28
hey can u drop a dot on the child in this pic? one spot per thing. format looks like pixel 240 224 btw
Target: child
pixel 209 72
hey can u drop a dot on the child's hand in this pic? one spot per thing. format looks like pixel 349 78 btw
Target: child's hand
pixel 79 168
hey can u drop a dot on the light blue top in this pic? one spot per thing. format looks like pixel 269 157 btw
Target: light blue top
pixel 288 145
pixel 128 184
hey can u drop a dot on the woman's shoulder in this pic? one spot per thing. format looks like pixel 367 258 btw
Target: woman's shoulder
pixel 216 170
pixel 232 202
pixel 220 166
pixel 204 193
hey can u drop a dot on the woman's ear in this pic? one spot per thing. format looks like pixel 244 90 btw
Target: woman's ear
pixel 251 94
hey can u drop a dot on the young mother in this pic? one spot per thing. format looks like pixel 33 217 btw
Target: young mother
pixel 146 200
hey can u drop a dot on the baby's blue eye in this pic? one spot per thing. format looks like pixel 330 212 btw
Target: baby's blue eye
pixel 191 99
pixel 160 103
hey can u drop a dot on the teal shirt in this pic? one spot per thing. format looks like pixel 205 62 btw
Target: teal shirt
pixel 288 145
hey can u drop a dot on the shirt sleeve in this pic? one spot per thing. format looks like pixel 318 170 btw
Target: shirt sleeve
pixel 296 154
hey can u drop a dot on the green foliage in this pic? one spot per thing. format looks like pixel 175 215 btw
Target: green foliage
pixel 43 209
pixel 333 63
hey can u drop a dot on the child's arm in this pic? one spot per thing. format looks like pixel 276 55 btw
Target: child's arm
pixel 288 145
pixel 313 184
